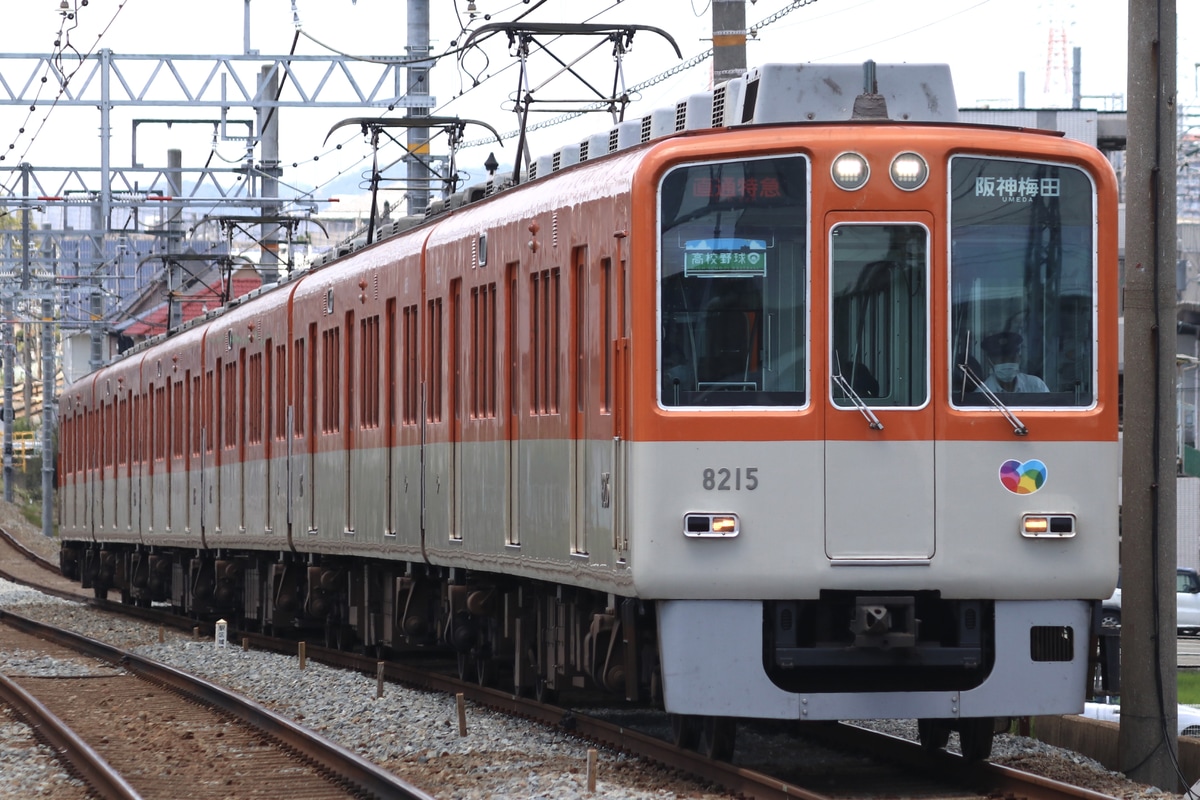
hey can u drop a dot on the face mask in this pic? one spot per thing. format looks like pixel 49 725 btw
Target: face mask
pixel 1005 372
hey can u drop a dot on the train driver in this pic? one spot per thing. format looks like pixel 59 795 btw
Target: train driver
pixel 1003 351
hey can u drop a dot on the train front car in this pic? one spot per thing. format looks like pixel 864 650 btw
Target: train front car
pixel 873 459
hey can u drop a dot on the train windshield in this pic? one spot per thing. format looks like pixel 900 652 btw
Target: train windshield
pixel 1022 283
pixel 879 283
pixel 733 255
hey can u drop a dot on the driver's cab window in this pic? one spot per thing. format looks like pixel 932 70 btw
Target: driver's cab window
pixel 733 257
pixel 1022 283
pixel 878 276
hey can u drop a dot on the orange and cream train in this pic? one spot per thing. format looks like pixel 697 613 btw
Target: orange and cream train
pixel 759 406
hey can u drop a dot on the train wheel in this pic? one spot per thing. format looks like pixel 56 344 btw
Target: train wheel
pixel 720 734
pixel 975 737
pixel 485 670
pixel 465 666
pixel 934 734
pixel 686 730
pixel 542 691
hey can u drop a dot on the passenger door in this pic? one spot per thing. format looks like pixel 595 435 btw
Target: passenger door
pixel 879 454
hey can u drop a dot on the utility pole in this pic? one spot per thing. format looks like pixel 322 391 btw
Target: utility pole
pixel 49 407
pixel 1147 741
pixel 269 172
pixel 174 227
pixel 10 343
pixel 418 85
pixel 729 40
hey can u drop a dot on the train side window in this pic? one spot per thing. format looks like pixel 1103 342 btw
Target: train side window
pixel 197 411
pixel 254 397
pixel 369 372
pixel 733 283
pixel 158 416
pixel 389 355
pixel 162 446
pixel 331 381
pixel 347 382
pixel 300 370
pixel 281 396
pixel 178 415
pixel 229 402
pixel 545 341
pixel 243 405
pixel 210 390
pixel 483 351
pixel 1022 282
pixel 268 391
pixel 606 338
pixel 433 409
pixel 411 371
pixel 311 386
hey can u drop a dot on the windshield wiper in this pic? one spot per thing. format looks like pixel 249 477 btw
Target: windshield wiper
pixel 872 420
pixel 1019 428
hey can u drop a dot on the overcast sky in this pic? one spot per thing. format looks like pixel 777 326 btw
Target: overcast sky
pixel 988 44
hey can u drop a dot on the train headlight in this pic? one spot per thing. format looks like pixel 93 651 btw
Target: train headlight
pixel 909 171
pixel 721 526
pixel 1048 526
pixel 850 171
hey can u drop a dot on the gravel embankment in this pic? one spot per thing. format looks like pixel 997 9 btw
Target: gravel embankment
pixel 413 733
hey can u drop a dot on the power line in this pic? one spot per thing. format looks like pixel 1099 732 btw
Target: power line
pixel 691 63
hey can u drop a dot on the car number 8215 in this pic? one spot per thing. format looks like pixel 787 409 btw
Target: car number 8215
pixel 726 479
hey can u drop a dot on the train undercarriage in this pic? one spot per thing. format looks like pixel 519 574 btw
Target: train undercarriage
pixel 534 638
pixel 525 636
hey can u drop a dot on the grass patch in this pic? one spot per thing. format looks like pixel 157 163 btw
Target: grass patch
pixel 1188 682
pixel 32 513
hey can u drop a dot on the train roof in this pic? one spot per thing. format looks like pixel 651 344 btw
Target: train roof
pixel 767 94
pixel 772 93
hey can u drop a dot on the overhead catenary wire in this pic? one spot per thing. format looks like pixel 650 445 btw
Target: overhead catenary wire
pixel 690 63
pixel 64 80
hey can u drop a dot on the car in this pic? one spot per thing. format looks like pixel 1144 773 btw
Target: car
pixel 1110 711
pixel 1187 603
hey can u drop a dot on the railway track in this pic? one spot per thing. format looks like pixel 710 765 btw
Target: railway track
pixel 134 728
pixel 893 763
pixel 869 764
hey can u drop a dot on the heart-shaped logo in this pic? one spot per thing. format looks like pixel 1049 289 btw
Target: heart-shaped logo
pixel 1023 478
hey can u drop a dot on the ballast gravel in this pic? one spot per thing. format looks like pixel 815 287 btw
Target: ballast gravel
pixel 415 733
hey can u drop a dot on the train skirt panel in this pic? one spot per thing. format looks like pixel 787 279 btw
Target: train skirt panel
pixel 715 661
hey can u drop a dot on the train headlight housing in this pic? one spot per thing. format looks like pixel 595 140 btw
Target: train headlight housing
pixel 909 171
pixel 1048 526
pixel 850 171
pixel 720 526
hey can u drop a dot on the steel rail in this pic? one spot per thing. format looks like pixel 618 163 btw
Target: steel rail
pixel 749 783
pixel 20 547
pixel 79 756
pixel 366 775
pixel 982 777
pixel 742 782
